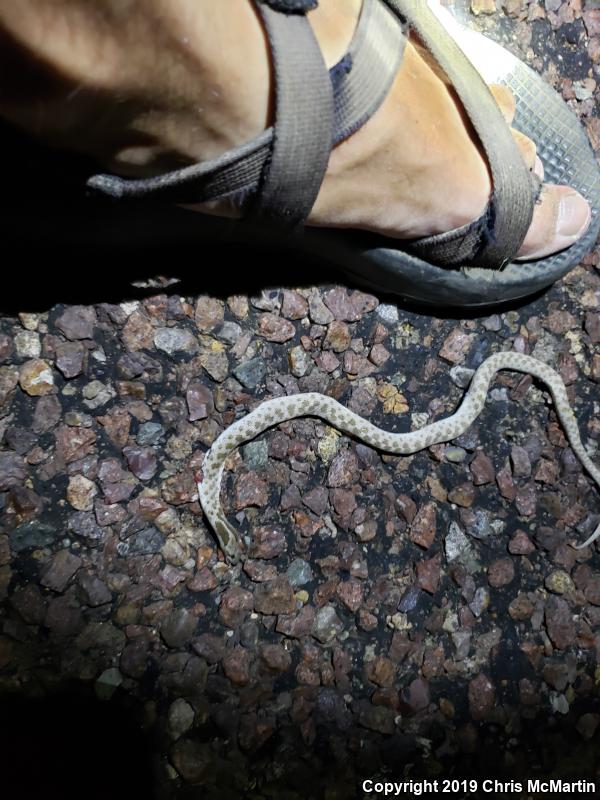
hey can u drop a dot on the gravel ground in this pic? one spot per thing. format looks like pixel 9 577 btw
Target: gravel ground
pixel 421 616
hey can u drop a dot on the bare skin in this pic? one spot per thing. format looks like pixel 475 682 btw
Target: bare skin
pixel 151 85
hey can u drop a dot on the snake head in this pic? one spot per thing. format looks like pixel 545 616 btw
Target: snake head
pixel 229 540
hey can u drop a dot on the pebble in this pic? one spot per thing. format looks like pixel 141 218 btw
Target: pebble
pixel 428 574
pixel 559 582
pixel 327 625
pixel 482 469
pixel 415 697
pixel 267 543
pixel 209 313
pixel 342 305
pixel 456 543
pixel 81 493
pixel 559 623
pixel 293 306
pixel 351 593
pixel 60 571
pixel 236 666
pixel 526 500
pixel 480 602
pixel 423 527
pixel 461 641
pixel 256 454
pixel 30 605
pixel 107 683
pixel 276 657
pixel 27 344
pixel 178 628
pixel 9 379
pixel 317 500
pixel 203 581
pixel 455 454
pixel 587 725
pixel 501 572
pixel 410 600
pixel 180 717
pixel 379 719
pixel 94 591
pixel 338 337
pixel 463 495
pixel 36 378
pixel 33 534
pixel 299 573
pixel 6 346
pixel 296 625
pixel 343 470
pixel 521 463
pixel 318 311
pixel 388 313
pixel 300 361
pixel 505 482
pixel 274 328
pixel 236 604
pixel 141 461
pixel 70 359
pixel 381 671
pixel 592 590
pixel 77 322
pixel 192 759
pixel 250 490
pixel 251 373
pixel 456 346
pixel 274 597
pixel 175 340
pixel 481 695
pixel 199 401
pixel 149 434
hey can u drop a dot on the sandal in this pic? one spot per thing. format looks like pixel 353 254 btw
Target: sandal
pixel 277 176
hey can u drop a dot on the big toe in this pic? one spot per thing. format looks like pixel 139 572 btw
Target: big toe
pixel 560 218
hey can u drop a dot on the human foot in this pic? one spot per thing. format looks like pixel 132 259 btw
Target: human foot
pixel 387 176
pixel 147 103
pixel 421 137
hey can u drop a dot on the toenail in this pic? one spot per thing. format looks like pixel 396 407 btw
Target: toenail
pixel 573 215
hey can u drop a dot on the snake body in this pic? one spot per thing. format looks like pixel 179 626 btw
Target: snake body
pixel 281 409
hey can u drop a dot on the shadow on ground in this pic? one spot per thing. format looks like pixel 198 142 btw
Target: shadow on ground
pixel 70 745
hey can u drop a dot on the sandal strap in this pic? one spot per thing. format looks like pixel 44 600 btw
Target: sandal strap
pixel 461 246
pixel 361 82
pixel 363 78
pixel 494 239
pixel 291 6
pixel 303 127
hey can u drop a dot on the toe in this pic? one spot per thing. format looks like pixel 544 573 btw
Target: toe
pixel 526 148
pixel 559 219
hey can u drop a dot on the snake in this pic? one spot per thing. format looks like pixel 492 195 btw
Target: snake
pixel 281 409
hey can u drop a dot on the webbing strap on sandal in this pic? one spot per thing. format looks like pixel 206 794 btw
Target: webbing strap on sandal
pixel 494 239
pixel 303 129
